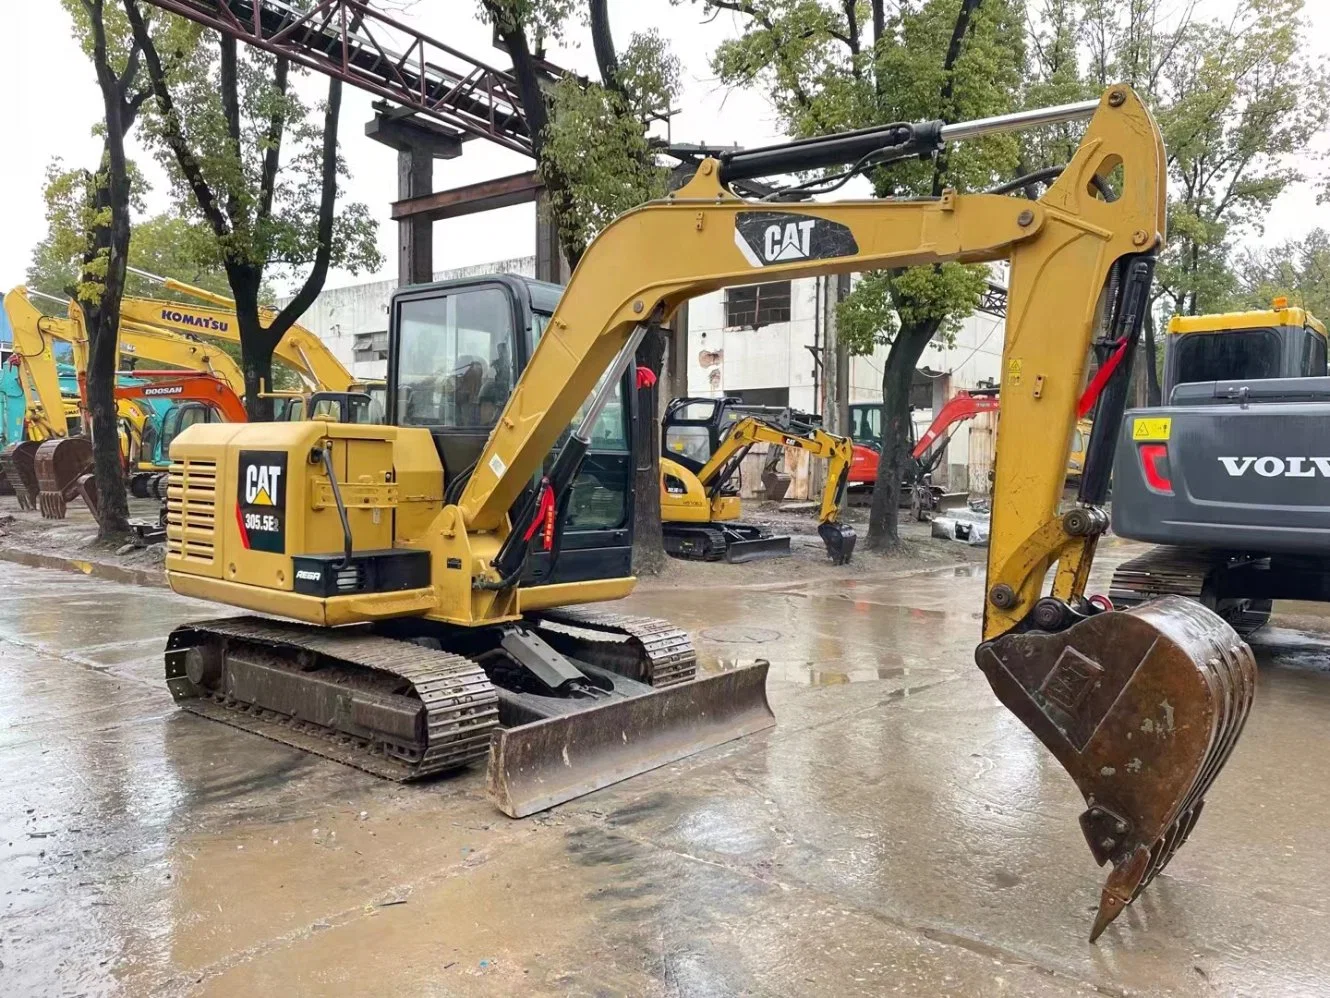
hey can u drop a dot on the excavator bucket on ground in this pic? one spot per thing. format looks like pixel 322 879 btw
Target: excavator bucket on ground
pixel 17 464
pixel 840 539
pixel 59 464
pixel 1142 707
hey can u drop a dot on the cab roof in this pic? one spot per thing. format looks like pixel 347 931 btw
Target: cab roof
pixel 1261 318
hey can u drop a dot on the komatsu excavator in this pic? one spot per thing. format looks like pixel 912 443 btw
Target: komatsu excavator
pixel 427 584
pixel 704 441
pixel 299 349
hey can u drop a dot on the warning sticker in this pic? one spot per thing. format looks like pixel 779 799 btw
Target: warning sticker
pixel 1151 428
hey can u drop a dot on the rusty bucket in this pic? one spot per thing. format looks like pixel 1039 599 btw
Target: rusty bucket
pixel 59 464
pixel 17 464
pixel 1142 707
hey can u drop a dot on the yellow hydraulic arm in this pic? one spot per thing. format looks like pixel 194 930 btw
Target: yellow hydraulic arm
pixel 142 342
pixel 839 451
pixel 38 375
pixel 299 348
pixel 1082 678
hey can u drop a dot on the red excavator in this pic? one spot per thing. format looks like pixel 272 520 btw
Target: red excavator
pixel 926 453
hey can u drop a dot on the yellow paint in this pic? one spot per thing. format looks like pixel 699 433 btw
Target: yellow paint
pixel 1151 428
pixel 1219 322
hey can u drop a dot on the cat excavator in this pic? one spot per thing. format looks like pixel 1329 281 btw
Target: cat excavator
pixel 432 574
pixel 704 441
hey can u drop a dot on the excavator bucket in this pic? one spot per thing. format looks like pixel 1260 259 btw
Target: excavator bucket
pixel 17 463
pixel 59 464
pixel 840 539
pixel 537 765
pixel 1142 707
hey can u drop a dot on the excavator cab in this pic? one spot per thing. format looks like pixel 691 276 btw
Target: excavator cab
pixel 458 349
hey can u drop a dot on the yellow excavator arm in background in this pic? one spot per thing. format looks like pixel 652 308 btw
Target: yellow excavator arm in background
pixel 38 374
pixel 299 348
pixel 838 451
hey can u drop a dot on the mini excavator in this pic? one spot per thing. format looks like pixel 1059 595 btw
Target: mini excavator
pixel 431 571
pixel 704 441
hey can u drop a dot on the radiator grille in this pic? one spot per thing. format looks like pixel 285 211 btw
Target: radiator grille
pixel 191 510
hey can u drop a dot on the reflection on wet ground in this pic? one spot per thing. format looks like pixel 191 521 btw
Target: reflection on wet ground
pixel 897 833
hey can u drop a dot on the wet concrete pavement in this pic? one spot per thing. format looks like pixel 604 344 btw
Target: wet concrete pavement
pixel 897 833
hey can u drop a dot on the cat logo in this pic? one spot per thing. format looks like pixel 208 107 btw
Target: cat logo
pixel 770 237
pixel 262 482
pixel 261 500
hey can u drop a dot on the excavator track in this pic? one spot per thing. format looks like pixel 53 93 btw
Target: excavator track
pixel 392 708
pixel 648 649
pixel 1169 571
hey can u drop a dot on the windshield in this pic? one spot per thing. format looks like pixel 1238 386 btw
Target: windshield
pixel 866 424
pixel 1229 355
pixel 454 363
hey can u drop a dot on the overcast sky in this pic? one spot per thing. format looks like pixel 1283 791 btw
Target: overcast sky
pixel 50 102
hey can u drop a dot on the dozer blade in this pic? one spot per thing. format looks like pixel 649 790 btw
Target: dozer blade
pixel 538 765
pixel 1142 707
pixel 840 539
pixel 757 548
pixel 58 465
pixel 16 462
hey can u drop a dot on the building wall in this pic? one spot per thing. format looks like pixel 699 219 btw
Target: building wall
pixel 339 315
pixel 727 360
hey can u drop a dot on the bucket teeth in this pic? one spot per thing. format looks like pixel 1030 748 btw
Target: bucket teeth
pixel 1143 709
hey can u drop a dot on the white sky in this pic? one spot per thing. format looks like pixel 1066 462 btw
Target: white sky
pixel 49 102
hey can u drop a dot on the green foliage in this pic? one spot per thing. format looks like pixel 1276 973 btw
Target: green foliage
pixel 543 19
pixel 1236 100
pixel 284 233
pixel 597 138
pixel 165 244
pixel 1298 270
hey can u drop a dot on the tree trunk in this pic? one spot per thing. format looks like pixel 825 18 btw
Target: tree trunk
pixel 648 541
pixel 897 374
pixel 256 343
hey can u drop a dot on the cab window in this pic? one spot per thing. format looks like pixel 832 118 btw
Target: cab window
pixel 455 359
pixel 1313 355
pixel 1230 355
pixel 866 423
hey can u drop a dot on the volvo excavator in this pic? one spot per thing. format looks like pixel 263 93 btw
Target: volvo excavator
pixel 704 441
pixel 1229 476
pixel 432 574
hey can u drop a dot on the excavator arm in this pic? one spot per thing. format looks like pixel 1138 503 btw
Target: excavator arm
pixel 1083 678
pixel 838 451
pixel 298 348
pixel 38 375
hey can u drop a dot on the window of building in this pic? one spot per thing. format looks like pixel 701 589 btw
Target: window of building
pixel 758 304
pixel 921 390
pixel 762 396
pixel 371 346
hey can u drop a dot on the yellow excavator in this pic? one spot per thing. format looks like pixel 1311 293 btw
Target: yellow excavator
pixel 705 440
pixel 34 472
pixel 299 348
pixel 426 569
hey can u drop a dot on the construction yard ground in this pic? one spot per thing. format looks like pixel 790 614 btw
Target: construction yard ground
pixel 897 832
